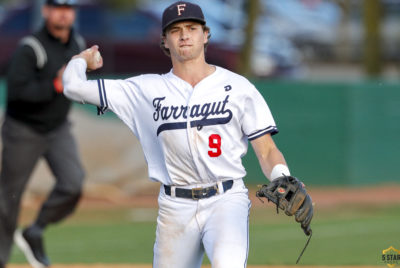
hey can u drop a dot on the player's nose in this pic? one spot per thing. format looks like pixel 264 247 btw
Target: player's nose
pixel 184 35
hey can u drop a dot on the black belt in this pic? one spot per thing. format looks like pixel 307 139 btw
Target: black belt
pixel 199 193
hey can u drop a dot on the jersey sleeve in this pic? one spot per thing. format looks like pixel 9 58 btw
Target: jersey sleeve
pixel 121 97
pixel 257 119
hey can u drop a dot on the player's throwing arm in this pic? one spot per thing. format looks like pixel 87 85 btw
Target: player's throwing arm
pixel 76 85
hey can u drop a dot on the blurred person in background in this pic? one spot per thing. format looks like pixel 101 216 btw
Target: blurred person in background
pixel 36 126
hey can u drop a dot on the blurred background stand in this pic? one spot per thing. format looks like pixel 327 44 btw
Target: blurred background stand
pixel 291 39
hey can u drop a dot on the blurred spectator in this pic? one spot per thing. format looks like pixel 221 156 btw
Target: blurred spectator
pixel 36 126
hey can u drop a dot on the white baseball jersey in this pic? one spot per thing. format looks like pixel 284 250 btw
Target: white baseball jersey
pixel 190 135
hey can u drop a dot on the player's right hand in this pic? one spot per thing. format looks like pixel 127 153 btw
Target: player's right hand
pixel 92 57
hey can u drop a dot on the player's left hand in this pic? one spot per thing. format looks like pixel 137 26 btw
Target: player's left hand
pixel 290 195
pixel 92 57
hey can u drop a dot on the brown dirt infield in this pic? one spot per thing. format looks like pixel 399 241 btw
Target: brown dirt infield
pixel 149 266
pixel 323 197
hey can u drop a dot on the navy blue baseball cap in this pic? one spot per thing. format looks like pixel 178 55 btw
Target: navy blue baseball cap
pixel 181 11
pixel 71 3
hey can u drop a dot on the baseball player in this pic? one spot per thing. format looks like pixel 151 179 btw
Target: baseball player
pixel 194 124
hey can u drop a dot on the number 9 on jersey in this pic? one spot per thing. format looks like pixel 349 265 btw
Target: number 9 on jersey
pixel 214 142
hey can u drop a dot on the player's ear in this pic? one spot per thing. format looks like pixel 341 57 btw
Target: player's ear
pixel 205 35
pixel 164 39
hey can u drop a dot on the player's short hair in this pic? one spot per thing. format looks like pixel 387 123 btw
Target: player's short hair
pixel 164 34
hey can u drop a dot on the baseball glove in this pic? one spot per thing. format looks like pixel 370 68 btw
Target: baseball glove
pixel 289 194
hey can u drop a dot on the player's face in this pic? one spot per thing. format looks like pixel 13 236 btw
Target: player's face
pixel 185 40
pixel 59 18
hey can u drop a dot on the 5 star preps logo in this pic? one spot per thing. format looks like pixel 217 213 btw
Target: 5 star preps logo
pixel 391 256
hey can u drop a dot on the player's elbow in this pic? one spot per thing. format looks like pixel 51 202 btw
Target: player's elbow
pixel 73 79
pixel 71 90
pixel 71 87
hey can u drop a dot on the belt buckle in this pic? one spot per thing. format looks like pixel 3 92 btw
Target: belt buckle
pixel 202 192
pixel 197 196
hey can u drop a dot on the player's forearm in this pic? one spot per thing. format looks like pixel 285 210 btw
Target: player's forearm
pixel 271 159
pixel 76 85
pixel 274 165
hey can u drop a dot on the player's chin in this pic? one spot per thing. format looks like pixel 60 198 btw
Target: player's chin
pixel 185 56
pixel 188 53
pixel 185 51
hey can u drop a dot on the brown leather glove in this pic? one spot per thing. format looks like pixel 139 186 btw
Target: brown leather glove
pixel 289 194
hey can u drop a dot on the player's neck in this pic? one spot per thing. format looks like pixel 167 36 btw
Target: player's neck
pixel 192 72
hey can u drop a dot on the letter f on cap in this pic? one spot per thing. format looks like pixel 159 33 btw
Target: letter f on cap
pixel 181 7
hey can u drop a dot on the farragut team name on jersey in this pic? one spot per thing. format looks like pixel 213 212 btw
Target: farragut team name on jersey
pixel 199 112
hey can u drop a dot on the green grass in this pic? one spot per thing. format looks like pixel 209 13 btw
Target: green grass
pixel 344 236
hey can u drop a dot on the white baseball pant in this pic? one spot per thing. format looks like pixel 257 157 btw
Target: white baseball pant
pixel 217 225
